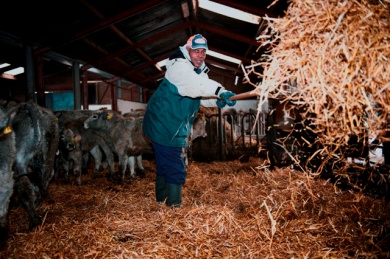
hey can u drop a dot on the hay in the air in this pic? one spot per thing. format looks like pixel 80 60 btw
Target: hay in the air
pixel 331 59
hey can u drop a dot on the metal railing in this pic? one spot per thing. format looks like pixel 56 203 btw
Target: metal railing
pixel 235 133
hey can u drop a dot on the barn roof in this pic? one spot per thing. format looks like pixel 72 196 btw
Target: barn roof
pixel 127 38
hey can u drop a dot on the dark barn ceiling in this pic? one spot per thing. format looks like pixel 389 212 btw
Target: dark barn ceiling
pixel 127 38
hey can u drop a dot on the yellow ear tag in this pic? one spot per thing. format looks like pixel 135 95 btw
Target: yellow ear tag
pixel 109 116
pixel 7 130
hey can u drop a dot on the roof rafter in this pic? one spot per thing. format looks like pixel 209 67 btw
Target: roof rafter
pixel 173 29
pixel 103 24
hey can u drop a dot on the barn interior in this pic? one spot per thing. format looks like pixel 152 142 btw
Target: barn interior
pixel 240 208
pixel 124 42
pixel 75 54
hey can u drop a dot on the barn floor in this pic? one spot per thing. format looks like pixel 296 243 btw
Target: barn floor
pixel 230 210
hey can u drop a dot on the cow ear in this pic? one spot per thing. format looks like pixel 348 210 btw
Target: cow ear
pixel 77 138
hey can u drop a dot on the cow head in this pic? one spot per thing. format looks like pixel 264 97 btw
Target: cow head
pixel 98 120
pixel 69 140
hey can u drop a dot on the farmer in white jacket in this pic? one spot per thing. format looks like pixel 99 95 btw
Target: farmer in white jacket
pixel 171 112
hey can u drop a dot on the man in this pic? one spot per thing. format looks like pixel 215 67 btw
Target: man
pixel 171 112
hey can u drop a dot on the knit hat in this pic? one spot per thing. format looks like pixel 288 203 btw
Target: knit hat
pixel 197 42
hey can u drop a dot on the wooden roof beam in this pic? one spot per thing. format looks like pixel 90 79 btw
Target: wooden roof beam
pixel 103 24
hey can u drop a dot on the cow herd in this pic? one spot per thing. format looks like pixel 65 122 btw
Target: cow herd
pixel 37 144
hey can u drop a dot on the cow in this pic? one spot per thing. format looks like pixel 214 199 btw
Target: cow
pixel 198 130
pixel 64 116
pixel 75 137
pixel 75 141
pixel 135 113
pixel 133 159
pixel 124 135
pixel 36 141
pixel 131 163
pixel 71 153
pixel 7 159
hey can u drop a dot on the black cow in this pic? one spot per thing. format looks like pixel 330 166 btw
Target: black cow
pixel 36 143
pixel 7 159
pixel 37 135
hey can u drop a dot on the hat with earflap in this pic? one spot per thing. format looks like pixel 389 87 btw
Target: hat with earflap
pixel 197 42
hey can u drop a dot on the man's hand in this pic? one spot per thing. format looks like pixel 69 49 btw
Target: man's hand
pixel 224 97
pixel 220 103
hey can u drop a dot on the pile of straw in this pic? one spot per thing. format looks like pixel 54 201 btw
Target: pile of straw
pixel 229 210
pixel 332 57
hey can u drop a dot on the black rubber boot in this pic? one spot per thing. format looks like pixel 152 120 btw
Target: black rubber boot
pixel 174 194
pixel 161 193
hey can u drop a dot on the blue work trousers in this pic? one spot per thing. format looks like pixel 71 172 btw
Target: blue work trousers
pixel 170 163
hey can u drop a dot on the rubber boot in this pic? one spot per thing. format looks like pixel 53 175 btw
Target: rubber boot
pixel 174 194
pixel 161 193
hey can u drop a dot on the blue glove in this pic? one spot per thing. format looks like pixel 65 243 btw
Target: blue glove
pixel 220 103
pixel 225 98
